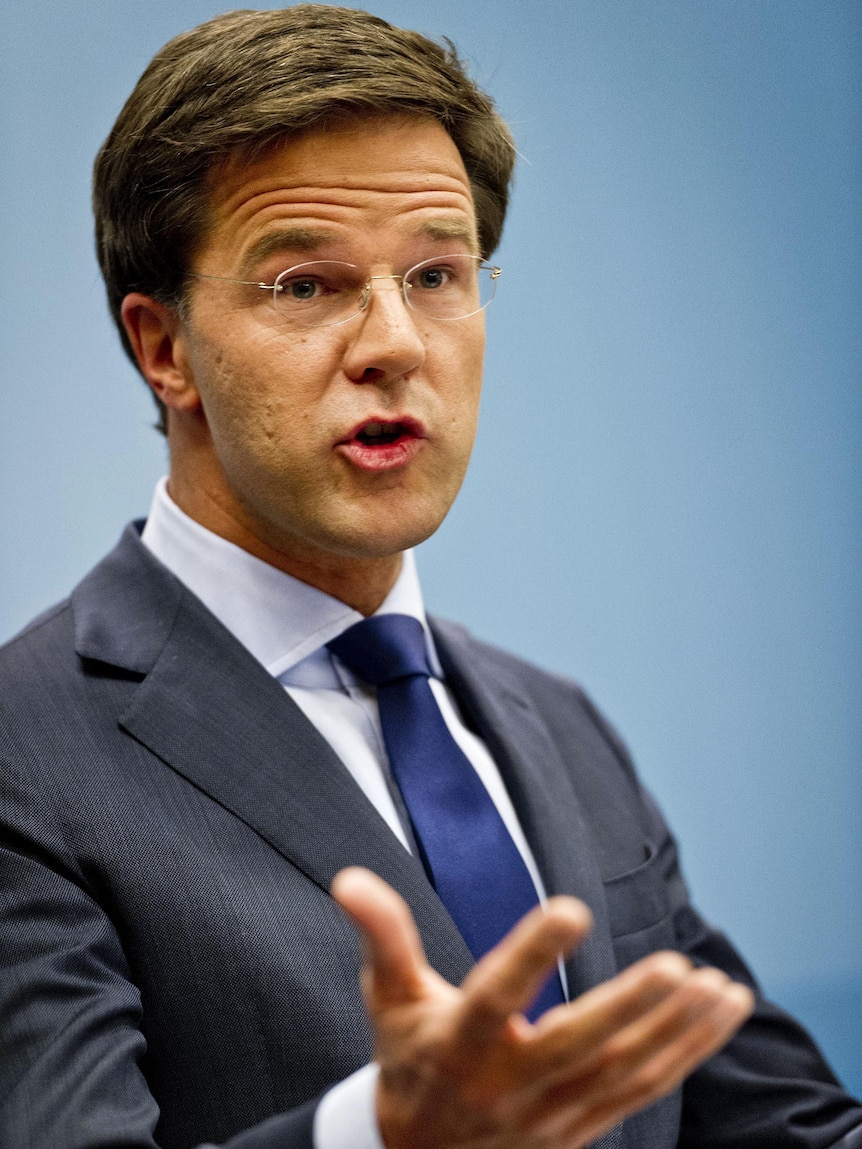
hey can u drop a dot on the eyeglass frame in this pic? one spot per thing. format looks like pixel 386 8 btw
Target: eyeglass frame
pixel 365 294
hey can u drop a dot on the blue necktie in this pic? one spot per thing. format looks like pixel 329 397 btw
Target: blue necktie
pixel 466 849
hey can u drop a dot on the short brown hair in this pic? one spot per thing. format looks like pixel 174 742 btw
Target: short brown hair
pixel 239 84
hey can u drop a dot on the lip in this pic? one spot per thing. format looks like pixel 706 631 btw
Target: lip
pixel 383 456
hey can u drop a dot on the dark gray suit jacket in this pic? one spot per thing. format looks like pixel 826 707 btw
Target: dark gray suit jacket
pixel 172 968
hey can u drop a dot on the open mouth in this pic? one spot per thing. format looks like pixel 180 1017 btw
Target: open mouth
pixel 381 434
pixel 383 444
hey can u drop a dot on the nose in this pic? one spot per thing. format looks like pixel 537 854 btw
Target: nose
pixel 385 344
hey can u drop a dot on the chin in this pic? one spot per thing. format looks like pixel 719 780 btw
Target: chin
pixel 385 535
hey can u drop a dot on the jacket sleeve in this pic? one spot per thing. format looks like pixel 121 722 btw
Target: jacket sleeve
pixel 70 1038
pixel 769 1086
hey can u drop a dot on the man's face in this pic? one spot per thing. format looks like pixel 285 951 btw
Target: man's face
pixel 280 449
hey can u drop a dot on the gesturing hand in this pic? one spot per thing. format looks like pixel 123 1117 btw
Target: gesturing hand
pixel 464 1069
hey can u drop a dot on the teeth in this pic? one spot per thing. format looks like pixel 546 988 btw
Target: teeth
pixel 379 428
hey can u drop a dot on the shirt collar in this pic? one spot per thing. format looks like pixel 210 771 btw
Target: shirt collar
pixel 279 619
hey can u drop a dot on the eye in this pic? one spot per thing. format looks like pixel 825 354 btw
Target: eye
pixel 315 285
pixel 317 294
pixel 303 288
pixel 432 278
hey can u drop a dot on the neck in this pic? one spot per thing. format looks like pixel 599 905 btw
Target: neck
pixel 360 582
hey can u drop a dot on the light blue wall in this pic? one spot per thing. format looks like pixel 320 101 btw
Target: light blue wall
pixel 665 499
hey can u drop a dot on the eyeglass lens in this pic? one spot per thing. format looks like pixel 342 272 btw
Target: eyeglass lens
pixel 327 292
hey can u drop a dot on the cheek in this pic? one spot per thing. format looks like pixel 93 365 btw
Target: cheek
pixel 464 387
pixel 269 393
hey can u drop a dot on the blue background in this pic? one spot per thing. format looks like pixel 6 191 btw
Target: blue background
pixel 665 498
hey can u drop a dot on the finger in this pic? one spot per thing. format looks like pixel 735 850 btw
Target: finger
pixel 660 1073
pixel 690 1024
pixel 508 978
pixel 396 969
pixel 569 1035
pixel 644 1060
pixel 672 1044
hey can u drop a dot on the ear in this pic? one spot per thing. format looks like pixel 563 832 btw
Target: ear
pixel 159 342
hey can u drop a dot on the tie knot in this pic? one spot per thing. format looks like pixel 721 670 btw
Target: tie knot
pixel 383 648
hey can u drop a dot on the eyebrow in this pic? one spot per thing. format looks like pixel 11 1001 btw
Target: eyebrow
pixel 304 240
pixel 308 240
pixel 455 229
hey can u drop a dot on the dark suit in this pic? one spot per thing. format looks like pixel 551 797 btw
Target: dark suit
pixel 173 968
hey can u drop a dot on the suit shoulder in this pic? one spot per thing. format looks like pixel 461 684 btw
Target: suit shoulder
pixel 457 637
pixel 48 633
pixel 39 673
pixel 562 700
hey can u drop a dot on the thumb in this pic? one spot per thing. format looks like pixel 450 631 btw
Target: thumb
pixel 396 971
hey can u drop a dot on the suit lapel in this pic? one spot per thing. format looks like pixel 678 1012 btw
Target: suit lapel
pixel 213 714
pixel 538 783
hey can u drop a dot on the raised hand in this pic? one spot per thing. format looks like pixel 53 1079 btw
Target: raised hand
pixel 464 1069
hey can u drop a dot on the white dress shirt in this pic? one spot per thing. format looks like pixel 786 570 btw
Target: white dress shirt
pixel 285 624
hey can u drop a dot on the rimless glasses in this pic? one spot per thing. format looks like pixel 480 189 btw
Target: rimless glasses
pixel 325 293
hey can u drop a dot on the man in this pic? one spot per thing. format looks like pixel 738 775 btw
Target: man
pixel 203 765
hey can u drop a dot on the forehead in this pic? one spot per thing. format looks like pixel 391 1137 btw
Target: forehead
pixel 353 182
